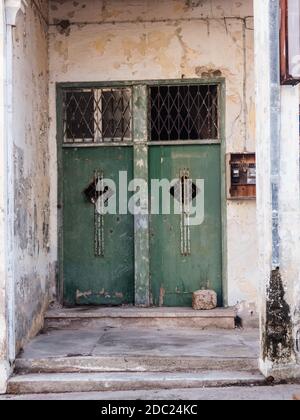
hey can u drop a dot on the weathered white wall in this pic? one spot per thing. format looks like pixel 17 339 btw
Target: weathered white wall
pixel 3 326
pixel 169 39
pixel 289 212
pixel 278 168
pixel 33 266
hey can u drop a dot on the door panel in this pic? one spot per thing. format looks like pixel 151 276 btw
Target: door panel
pixel 89 278
pixel 174 277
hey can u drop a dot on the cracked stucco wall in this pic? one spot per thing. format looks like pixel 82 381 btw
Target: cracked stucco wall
pixel 3 326
pixel 169 39
pixel 33 265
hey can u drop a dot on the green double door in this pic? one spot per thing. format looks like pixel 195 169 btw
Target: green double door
pixel 98 253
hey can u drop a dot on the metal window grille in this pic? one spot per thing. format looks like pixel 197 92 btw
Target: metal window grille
pixel 183 112
pixel 97 115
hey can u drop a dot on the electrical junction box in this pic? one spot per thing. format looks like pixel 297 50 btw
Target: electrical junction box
pixel 241 176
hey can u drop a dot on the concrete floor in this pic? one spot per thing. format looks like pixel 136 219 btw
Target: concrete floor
pixel 164 342
pixel 276 393
pixel 109 341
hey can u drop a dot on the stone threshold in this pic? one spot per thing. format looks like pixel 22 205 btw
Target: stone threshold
pixel 134 363
pixel 222 318
pixel 97 382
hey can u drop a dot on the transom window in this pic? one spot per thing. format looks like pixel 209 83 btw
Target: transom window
pixel 183 112
pixel 176 112
pixel 97 115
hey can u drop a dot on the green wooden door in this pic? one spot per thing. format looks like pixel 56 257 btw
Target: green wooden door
pixel 90 278
pixel 175 276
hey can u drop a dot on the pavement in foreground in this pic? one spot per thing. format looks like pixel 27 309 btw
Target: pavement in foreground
pixel 271 393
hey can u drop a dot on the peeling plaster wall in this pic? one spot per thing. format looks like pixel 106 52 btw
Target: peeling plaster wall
pixel 3 326
pixel 34 269
pixel 289 227
pixel 169 39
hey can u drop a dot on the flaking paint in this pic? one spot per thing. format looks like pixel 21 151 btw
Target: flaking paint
pixel 35 267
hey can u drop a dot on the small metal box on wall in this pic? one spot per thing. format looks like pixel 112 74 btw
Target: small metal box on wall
pixel 241 176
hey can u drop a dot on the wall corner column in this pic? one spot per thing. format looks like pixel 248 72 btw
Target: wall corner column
pixel 4 365
pixel 9 10
pixel 278 204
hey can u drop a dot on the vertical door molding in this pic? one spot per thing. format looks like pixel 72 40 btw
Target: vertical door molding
pixel 141 221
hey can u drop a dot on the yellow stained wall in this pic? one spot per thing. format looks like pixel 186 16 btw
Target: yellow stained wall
pixel 168 39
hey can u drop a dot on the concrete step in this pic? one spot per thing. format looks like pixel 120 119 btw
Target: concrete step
pixel 97 382
pixel 221 318
pixel 134 364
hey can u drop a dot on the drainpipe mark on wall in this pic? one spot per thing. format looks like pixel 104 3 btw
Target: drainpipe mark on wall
pixel 245 117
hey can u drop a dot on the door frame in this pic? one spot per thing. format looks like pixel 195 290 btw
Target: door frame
pixel 141 145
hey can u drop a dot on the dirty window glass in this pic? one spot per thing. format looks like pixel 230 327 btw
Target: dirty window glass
pixel 116 114
pixel 97 115
pixel 79 118
pixel 183 112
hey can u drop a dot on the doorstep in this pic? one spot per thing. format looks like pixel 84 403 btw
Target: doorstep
pixel 99 382
pixel 222 318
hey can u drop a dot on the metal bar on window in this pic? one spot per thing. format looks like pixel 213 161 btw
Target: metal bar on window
pixel 183 112
pixel 97 115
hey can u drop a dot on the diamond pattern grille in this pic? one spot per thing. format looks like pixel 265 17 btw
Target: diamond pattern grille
pixel 183 112
pixel 97 115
